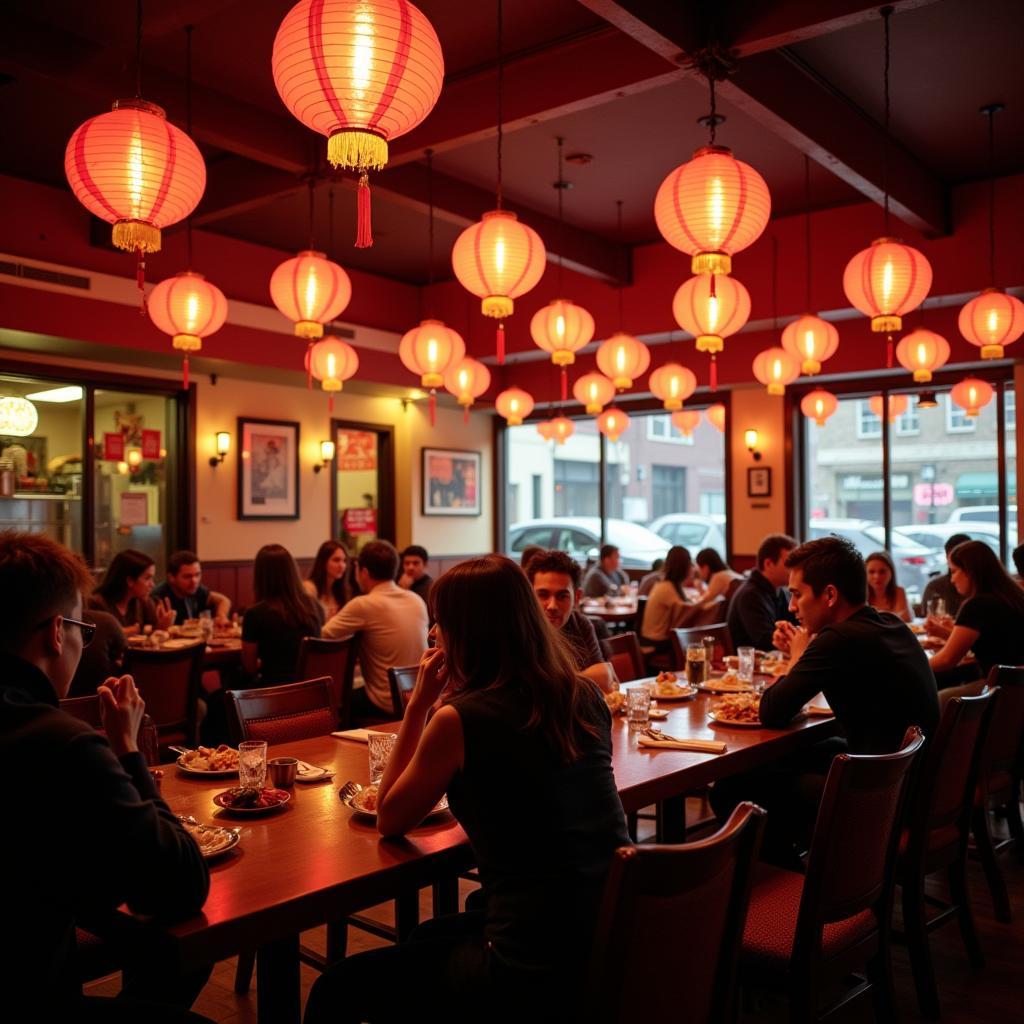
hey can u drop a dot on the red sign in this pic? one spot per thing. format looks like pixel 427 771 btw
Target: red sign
pixel 359 520
pixel 356 449
pixel 151 444
pixel 113 447
pixel 933 494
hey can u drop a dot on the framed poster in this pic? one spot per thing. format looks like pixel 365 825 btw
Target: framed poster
pixel 759 482
pixel 451 482
pixel 268 469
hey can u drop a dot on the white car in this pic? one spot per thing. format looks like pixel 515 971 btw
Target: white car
pixel 982 514
pixel 580 537
pixel 692 531
pixel 935 535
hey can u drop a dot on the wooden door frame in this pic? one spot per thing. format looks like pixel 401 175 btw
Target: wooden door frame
pixel 386 497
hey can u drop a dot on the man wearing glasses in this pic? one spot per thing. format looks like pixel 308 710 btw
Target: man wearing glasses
pixel 87 829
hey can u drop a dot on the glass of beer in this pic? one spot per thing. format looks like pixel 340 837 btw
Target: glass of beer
pixel 696 664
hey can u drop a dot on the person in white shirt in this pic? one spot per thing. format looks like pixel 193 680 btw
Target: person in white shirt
pixel 391 623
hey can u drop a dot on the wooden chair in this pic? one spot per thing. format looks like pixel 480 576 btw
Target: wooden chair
pixel 169 682
pixel 656 898
pixel 638 622
pixel 681 638
pixel 284 714
pixel 999 780
pixel 335 659
pixel 938 827
pixel 806 931
pixel 403 682
pixel 623 651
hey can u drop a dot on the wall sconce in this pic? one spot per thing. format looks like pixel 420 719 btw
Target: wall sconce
pixel 326 455
pixel 223 439
pixel 750 438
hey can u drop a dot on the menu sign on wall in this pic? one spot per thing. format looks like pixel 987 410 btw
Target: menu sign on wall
pixel 151 444
pixel 113 447
pixel 356 450
pixel 359 520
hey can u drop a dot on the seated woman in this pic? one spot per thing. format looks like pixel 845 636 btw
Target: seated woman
pixel 519 726
pixel 284 613
pixel 124 593
pixel 327 579
pixel 883 593
pixel 720 579
pixel 990 621
pixel 667 604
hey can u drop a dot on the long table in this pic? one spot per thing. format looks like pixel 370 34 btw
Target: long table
pixel 316 862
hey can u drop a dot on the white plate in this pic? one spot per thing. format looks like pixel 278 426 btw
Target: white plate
pixel 442 805
pixel 229 838
pixel 684 693
pixel 720 719
pixel 205 772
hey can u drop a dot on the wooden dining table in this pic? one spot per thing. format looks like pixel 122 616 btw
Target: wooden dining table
pixel 316 861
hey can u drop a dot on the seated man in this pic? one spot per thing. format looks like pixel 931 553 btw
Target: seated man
pixel 100 834
pixel 414 571
pixel 942 587
pixel 605 575
pixel 758 602
pixel 555 577
pixel 186 594
pixel 391 623
pixel 654 577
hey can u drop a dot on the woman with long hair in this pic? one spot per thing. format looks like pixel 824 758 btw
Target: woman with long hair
pixel 124 593
pixel 522 746
pixel 283 614
pixel 883 591
pixel 328 579
pixel 990 621
pixel 716 574
pixel 668 607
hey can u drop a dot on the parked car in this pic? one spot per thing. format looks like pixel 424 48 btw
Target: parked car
pixel 935 535
pixel 982 514
pixel 915 564
pixel 580 536
pixel 691 530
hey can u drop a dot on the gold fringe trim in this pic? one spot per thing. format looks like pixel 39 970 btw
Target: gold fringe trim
pixel 431 380
pixel 711 263
pixel 623 384
pixel 309 329
pixel 709 343
pixel 359 150
pixel 776 389
pixel 886 324
pixel 331 384
pixel 922 376
pixel 991 351
pixel 811 367
pixel 133 235
pixel 187 342
pixel 497 306
pixel 563 358
pixel 672 404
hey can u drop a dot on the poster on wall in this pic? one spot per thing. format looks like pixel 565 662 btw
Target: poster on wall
pixel 113 447
pixel 359 520
pixel 134 509
pixel 268 469
pixel 356 450
pixel 451 482
pixel 151 444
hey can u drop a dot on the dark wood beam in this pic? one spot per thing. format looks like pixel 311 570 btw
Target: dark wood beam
pixel 235 184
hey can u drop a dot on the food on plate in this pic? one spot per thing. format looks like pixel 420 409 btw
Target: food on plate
pixel 252 799
pixel 671 687
pixel 666 677
pixel 615 700
pixel 209 759
pixel 366 799
pixel 739 707
pixel 209 840
pixel 729 682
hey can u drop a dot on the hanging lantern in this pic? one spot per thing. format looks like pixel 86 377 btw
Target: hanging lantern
pixel 361 72
pixel 332 362
pixel 818 405
pixel 467 379
pixel 515 405
pixel 623 358
pixel 188 308
pixel 593 391
pixel 812 340
pixel 922 352
pixel 716 416
pixel 310 290
pixel 972 395
pixel 992 320
pixel 898 405
pixel 613 423
pixel 498 259
pixel 562 428
pixel 18 417
pixel 562 328
pixel 428 350
pixel 546 429
pixel 711 207
pixel 673 384
pixel 711 308
pixel 775 368
pixel 686 421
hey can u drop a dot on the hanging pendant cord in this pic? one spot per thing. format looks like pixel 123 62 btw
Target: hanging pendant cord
pixel 188 127
pixel 330 220
pixel 886 13
pixel 713 119
pixel 312 186
pixel 991 111
pixel 622 277
pixel 501 90
pixel 430 222
pixel 560 185
pixel 775 282
pixel 807 224
pixel 138 50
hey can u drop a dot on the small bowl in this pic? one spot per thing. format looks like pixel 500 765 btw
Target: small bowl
pixel 283 771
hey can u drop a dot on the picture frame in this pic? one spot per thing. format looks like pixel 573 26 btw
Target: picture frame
pixel 450 482
pixel 268 469
pixel 759 482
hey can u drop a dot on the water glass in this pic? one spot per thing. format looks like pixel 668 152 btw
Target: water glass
pixel 937 607
pixel 206 625
pixel 696 664
pixel 252 764
pixel 710 644
pixel 638 707
pixel 379 746
pixel 746 657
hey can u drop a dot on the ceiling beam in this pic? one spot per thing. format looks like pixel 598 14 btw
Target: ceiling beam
pixel 236 185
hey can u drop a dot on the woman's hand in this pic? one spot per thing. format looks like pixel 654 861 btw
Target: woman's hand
pixel 431 678
pixel 939 625
pixel 165 614
pixel 121 710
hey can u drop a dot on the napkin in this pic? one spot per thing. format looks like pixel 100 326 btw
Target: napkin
pixel 671 743
pixel 359 735
pixel 822 710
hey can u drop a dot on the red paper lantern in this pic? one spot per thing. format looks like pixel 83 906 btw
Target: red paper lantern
pixel 716 417
pixel 562 428
pixel 514 404
pixel 429 350
pixel 972 395
pixel 623 358
pixel 922 352
pixel 673 384
pixel 711 308
pixel 546 429
pixel 886 281
pixel 992 320
pixel 775 368
pixel 361 72
pixel 562 328
pixel 467 379
pixel 898 405
pixel 132 168
pixel 188 308
pixel 613 423
pixel 712 207
pixel 594 391
pixel 818 405
pixel 310 290
pixel 686 421
pixel 812 340
pixel 332 362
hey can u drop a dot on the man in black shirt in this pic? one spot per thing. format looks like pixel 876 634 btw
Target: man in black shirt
pixel 414 572
pixel 759 603
pixel 186 594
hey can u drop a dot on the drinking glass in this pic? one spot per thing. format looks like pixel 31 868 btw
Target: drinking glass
pixel 937 607
pixel 696 664
pixel 710 643
pixel 638 707
pixel 379 746
pixel 746 664
pixel 252 764
pixel 206 625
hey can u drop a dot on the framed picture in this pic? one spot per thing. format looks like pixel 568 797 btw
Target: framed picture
pixel 759 482
pixel 451 482
pixel 268 469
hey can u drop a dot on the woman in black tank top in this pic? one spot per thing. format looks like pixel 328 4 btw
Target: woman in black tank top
pixel 522 746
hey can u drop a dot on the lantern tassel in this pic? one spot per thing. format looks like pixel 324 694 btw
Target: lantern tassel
pixel 184 372
pixel 309 367
pixel 140 279
pixel 565 384
pixel 364 227
pixel 888 352
pixel 465 414
pixel 714 373
pixel 501 342
pixel 433 407
pixel 330 402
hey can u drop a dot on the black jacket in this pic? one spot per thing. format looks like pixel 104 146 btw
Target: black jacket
pixel 755 608
pixel 83 834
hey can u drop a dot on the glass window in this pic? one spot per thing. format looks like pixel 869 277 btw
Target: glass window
pixel 661 428
pixel 1010 410
pixel 909 423
pixel 868 424
pixel 957 421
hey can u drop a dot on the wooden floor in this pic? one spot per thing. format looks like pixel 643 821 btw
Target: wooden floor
pixel 994 994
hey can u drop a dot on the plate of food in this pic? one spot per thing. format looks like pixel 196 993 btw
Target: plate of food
pixel 209 761
pixel 728 682
pixel 667 686
pixel 616 700
pixel 212 840
pixel 740 709
pixel 363 800
pixel 252 801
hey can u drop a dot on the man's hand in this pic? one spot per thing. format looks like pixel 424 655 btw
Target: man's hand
pixel 165 614
pixel 782 638
pixel 121 710
pixel 798 644
pixel 405 581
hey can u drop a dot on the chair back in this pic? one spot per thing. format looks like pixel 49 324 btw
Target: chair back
pixel 403 682
pixel 1003 750
pixel 86 709
pixel 682 638
pixel 335 659
pixel 623 651
pixel 284 714
pixel 671 924
pixel 638 622
pixel 169 683
pixel 851 866
pixel 730 593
